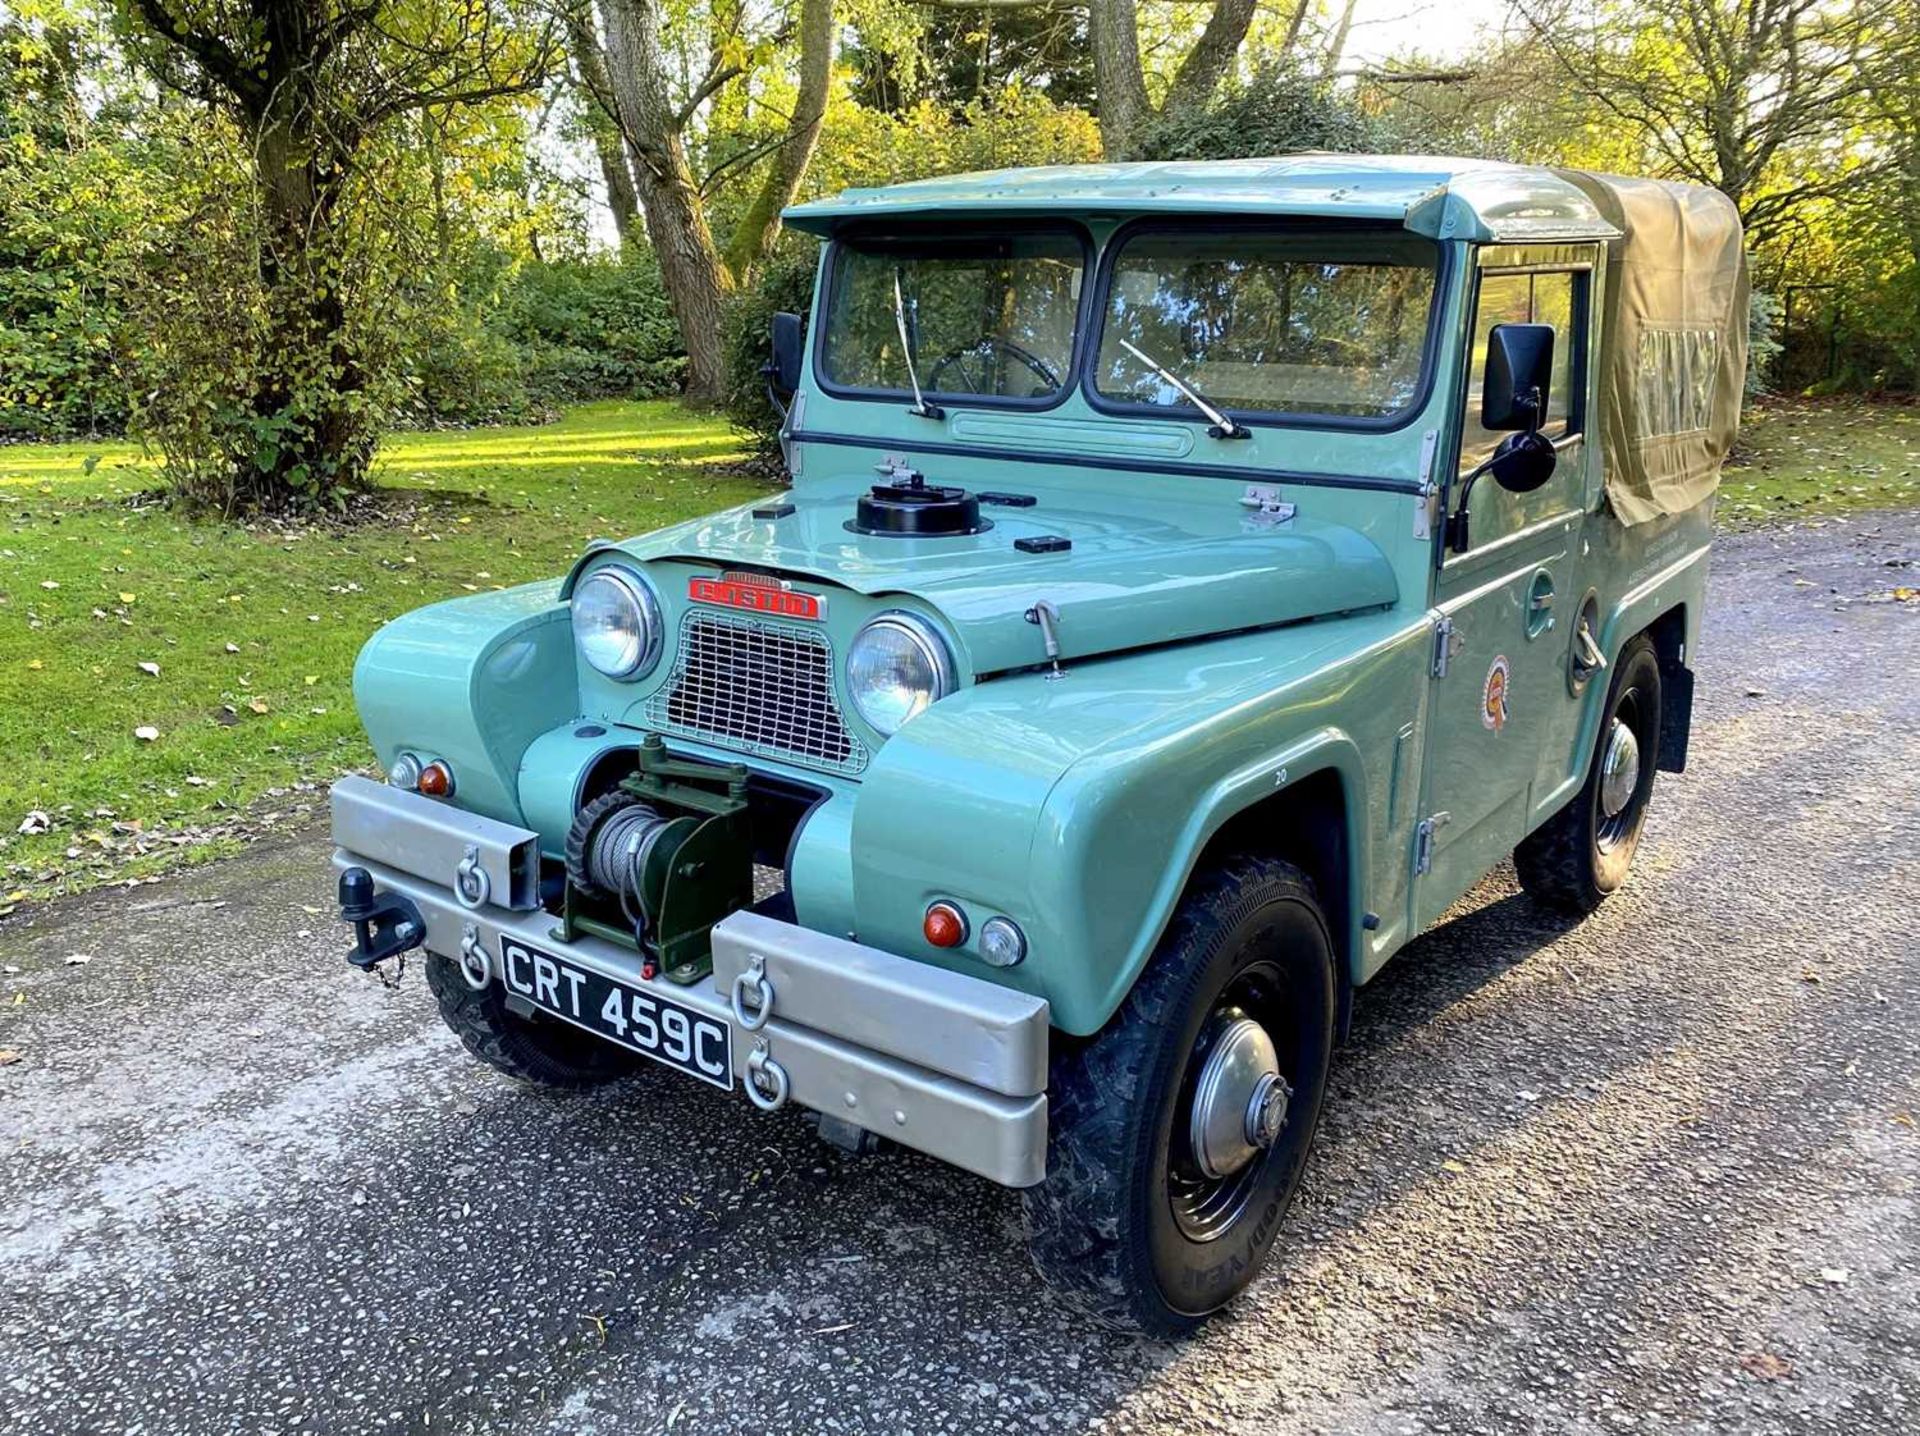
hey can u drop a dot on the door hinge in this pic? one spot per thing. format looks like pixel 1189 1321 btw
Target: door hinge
pixel 1423 838
pixel 1447 641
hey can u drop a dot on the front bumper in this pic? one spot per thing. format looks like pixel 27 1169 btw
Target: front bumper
pixel 949 1065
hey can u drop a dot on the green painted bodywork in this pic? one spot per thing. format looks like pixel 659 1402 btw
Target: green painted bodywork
pixel 1214 659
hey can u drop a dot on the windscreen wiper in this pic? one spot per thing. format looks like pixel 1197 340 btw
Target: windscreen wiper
pixel 1223 427
pixel 920 404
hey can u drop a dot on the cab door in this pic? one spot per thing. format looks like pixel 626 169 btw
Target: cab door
pixel 1503 607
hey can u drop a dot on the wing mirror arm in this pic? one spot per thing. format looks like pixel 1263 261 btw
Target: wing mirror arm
pixel 1519 368
pixel 1459 522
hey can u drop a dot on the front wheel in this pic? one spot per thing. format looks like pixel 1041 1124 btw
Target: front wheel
pixel 543 1051
pixel 1179 1133
pixel 1582 853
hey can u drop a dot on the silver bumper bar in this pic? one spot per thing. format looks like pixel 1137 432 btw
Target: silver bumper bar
pixel 946 1064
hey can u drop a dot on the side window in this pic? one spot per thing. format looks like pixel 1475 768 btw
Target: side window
pixel 1550 298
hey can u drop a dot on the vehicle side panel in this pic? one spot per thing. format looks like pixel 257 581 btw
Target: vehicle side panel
pixel 1133 764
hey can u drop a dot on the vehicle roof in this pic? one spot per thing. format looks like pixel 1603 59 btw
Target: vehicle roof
pixel 1438 196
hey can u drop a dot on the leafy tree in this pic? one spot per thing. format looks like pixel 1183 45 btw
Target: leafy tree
pixel 958 57
pixel 657 114
pixel 1753 97
pixel 78 196
pixel 282 384
pixel 1275 111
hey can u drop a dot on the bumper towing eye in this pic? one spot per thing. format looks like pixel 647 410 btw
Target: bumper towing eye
pixel 383 927
pixel 475 966
pixel 767 1082
pixel 754 980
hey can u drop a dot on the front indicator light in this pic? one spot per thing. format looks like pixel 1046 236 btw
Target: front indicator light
pixel 436 780
pixel 405 773
pixel 945 925
pixel 1002 944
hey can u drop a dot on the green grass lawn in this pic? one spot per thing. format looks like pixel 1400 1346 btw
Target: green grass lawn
pixel 1801 459
pixel 254 630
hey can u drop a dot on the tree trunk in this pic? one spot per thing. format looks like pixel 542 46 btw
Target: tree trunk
pixel 1212 55
pixel 696 281
pixel 1118 75
pixel 759 229
pixel 1125 110
pixel 1338 45
pixel 590 64
pixel 621 198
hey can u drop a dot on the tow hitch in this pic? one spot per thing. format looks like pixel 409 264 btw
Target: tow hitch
pixel 382 927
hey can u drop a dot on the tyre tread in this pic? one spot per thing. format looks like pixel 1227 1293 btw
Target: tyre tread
pixel 544 1054
pixel 1075 1218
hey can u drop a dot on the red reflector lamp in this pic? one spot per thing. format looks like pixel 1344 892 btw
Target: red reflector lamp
pixel 945 926
pixel 436 780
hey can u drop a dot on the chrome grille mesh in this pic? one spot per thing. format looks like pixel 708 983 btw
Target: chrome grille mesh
pixel 760 687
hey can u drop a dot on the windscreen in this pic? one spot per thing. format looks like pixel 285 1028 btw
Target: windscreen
pixel 987 316
pixel 1269 323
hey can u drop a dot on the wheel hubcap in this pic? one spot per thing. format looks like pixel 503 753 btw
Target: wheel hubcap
pixel 1619 770
pixel 1239 1102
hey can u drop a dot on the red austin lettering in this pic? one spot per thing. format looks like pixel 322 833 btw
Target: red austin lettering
pixel 760 597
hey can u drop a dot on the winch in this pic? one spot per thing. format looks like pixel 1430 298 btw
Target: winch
pixel 657 860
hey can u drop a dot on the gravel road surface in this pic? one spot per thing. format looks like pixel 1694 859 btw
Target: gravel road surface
pixel 1657 1172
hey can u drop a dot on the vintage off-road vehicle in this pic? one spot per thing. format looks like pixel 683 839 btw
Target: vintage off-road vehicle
pixel 1193 579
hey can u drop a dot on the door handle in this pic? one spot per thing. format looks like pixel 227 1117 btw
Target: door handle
pixel 1540 604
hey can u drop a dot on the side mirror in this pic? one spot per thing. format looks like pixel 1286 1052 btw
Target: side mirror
pixel 1519 375
pixel 783 369
pixel 1523 462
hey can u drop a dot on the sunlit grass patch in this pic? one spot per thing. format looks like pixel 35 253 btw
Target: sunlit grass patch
pixel 253 630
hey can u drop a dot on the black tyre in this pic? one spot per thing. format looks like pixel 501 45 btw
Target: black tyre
pixel 541 1050
pixel 1582 853
pixel 1179 1133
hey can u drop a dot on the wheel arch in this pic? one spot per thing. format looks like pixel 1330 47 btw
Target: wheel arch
pixel 1667 607
pixel 1311 824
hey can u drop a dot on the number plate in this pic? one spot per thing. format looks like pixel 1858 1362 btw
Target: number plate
pixel 639 1020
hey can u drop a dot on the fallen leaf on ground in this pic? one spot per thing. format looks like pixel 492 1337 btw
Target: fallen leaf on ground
pixel 146 733
pixel 258 705
pixel 1834 1275
pixel 35 822
pixel 151 669
pixel 126 598
pixel 78 959
pixel 48 583
pixel 8 1057
pixel 1767 1366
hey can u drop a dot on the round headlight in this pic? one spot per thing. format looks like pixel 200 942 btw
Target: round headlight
pixel 616 622
pixel 897 668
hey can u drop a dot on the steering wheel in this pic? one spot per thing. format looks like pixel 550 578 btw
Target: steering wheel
pixel 982 348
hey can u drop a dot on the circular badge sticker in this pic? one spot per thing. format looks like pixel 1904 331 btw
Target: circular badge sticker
pixel 1493 697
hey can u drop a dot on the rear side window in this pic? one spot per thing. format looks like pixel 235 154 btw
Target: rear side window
pixel 1552 298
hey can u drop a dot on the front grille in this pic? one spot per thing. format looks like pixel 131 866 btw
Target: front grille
pixel 756 686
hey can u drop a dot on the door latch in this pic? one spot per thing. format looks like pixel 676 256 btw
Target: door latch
pixel 1423 841
pixel 1447 641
